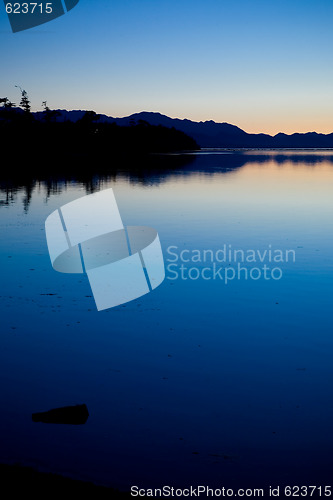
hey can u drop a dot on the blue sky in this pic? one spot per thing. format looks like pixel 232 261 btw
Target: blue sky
pixel 263 65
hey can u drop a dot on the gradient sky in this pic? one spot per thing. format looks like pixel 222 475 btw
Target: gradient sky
pixel 265 66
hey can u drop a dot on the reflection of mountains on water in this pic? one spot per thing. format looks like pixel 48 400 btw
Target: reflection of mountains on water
pixel 144 170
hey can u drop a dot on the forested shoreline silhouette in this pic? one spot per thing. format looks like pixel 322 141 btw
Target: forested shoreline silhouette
pixel 29 138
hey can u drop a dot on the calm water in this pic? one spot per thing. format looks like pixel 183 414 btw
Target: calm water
pixel 199 382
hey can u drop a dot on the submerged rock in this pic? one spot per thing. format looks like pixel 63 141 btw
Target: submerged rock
pixel 74 415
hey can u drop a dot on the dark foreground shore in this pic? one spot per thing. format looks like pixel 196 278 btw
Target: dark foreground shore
pixel 17 479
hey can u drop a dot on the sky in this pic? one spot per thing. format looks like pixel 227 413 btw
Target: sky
pixel 265 66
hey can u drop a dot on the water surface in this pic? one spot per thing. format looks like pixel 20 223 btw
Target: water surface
pixel 199 382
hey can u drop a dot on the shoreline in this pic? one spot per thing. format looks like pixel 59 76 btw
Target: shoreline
pixel 21 478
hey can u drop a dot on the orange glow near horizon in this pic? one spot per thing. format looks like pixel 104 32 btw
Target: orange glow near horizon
pixel 273 126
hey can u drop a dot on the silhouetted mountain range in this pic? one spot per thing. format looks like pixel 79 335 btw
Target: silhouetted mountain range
pixel 210 134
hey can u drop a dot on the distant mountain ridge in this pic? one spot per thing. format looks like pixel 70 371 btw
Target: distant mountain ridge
pixel 210 134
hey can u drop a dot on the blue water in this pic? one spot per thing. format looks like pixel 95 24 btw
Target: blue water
pixel 200 381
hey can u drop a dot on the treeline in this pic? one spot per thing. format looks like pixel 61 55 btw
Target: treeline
pixel 28 138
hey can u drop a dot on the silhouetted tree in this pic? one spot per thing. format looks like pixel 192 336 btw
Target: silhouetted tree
pixel 45 106
pixel 49 115
pixel 6 102
pixel 7 110
pixel 24 103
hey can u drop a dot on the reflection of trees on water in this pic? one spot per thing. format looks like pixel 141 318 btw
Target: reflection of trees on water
pixel 9 193
pixel 144 171
pixel 147 171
